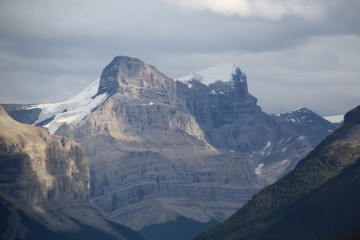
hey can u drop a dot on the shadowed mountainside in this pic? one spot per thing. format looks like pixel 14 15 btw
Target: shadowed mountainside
pixel 320 197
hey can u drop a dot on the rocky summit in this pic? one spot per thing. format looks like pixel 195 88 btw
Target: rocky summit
pixel 160 149
pixel 147 151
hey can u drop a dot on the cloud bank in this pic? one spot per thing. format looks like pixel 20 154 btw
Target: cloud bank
pixel 295 53
pixel 267 9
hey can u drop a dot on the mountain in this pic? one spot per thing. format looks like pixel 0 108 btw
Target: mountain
pixel 165 153
pixel 319 198
pixel 147 151
pixel 308 123
pixel 228 114
pixel 44 188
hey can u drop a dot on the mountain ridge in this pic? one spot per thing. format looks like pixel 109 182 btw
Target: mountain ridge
pixel 271 213
pixel 181 149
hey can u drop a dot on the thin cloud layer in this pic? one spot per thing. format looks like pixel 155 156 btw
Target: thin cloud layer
pixel 267 9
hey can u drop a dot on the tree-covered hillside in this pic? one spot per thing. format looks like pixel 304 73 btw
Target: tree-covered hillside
pixel 320 197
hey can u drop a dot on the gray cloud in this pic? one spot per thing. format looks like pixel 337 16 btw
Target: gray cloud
pixel 50 50
pixel 268 9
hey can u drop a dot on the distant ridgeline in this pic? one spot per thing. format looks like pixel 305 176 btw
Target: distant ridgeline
pixel 319 198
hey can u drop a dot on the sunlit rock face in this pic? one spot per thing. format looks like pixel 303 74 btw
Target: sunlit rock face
pixel 44 188
pixel 150 162
pixel 37 167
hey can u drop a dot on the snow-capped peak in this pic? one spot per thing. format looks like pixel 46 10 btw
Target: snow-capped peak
pixel 70 111
pixel 302 110
pixel 223 72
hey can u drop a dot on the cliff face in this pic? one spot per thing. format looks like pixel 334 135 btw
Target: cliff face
pixel 180 149
pixel 44 187
pixel 160 149
pixel 227 113
pixel 148 152
pixel 232 121
pixel 37 167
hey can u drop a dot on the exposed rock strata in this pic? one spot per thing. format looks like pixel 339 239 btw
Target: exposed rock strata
pixel 160 148
pixel 44 187
pixel 231 120
pixel 148 152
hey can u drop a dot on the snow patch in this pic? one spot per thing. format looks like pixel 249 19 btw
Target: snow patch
pixel 335 119
pixel 268 144
pixel 301 109
pixel 259 168
pixel 71 111
pixel 222 72
pixel 300 138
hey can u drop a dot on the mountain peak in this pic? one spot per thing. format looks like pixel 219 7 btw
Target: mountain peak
pixel 124 65
pixel 224 72
pixel 302 110
pixel 304 115
pixel 221 78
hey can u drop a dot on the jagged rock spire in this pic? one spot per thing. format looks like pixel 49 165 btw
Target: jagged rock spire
pixel 240 82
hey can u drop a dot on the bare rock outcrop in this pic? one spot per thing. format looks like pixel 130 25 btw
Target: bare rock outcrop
pixel 148 152
pixel 44 188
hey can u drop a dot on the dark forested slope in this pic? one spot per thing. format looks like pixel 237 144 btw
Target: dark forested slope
pixel 320 197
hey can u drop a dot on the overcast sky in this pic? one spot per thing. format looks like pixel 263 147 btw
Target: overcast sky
pixel 295 52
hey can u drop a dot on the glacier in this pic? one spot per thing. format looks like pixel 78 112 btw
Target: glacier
pixel 70 111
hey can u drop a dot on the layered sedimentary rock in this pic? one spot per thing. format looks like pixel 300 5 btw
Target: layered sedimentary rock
pixel 44 187
pixel 161 148
pixel 232 121
pixel 149 160
pixel 38 167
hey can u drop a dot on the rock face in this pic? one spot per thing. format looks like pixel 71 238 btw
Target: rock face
pixel 198 148
pixel 148 152
pixel 231 120
pixel 308 123
pixel 44 186
pixel 37 167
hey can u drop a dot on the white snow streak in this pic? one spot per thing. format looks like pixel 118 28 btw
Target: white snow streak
pixel 71 111
pixel 259 168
